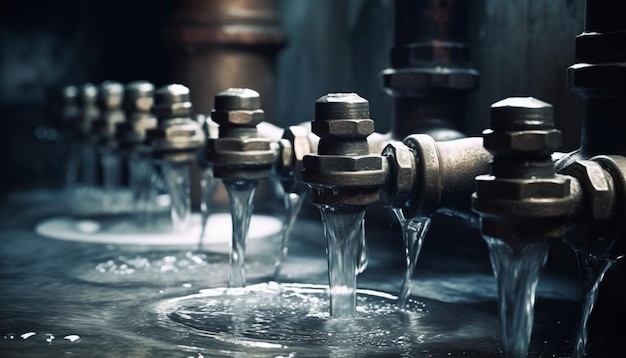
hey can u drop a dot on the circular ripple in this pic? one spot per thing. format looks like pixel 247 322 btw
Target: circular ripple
pixel 294 316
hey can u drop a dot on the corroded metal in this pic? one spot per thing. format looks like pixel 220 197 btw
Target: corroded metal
pixel 138 102
pixel 343 172
pixel 239 152
pixel 523 199
pixel 177 137
pixel 430 72
pixel 428 176
pixel 224 44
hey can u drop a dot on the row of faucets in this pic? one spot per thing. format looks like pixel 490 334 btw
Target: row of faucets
pixel 508 176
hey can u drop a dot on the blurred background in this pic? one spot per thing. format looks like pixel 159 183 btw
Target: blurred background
pixel 519 47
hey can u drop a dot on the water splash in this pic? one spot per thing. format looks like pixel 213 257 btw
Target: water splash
pixel 516 268
pixel 176 177
pixel 293 204
pixel 413 233
pixel 207 186
pixel 344 231
pixel 271 317
pixel 240 194
pixel 593 269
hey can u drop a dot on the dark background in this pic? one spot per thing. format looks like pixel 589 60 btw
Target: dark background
pixel 520 48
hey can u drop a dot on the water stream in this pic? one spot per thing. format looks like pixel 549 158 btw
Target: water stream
pixel 516 268
pixel 240 195
pixel 176 176
pixel 207 186
pixel 344 231
pixel 293 204
pixel 593 269
pixel 413 233
pixel 140 182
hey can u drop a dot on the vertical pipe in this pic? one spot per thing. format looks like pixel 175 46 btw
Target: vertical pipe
pixel 430 72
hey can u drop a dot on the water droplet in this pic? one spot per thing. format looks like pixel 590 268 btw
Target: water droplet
pixel 49 338
pixel 72 338
pixel 27 335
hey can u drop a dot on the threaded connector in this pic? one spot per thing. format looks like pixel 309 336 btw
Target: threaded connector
pixel 239 152
pixel 523 199
pixel 138 102
pixel 177 136
pixel 343 172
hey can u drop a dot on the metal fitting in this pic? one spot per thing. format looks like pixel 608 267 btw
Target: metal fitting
pixel 292 147
pixel 138 101
pixel 177 136
pixel 343 172
pixel 403 175
pixel 599 224
pixel 523 199
pixel 239 152
pixel 138 97
pixel 110 98
pixel 426 176
pixel 110 95
pixel 172 101
pixel 597 185
pixel 62 106
pixel 89 111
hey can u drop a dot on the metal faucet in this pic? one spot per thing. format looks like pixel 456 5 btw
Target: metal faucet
pixel 239 152
pixel 178 137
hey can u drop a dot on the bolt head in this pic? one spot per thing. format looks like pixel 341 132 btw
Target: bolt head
pixel 596 184
pixel 249 118
pixel 542 142
pixel 139 96
pixel 403 174
pixel 341 106
pixel 237 99
pixel 172 101
pixel 345 128
pixel 521 114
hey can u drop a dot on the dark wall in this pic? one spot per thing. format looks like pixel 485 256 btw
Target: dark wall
pixel 520 48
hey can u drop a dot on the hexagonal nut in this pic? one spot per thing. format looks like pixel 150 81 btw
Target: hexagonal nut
pixel 597 186
pixel 138 96
pixel 408 80
pixel 531 141
pixel 292 148
pixel 299 138
pixel 235 99
pixel 238 144
pixel 403 174
pixel 358 128
pixel 241 118
pixel 336 163
pixel 607 77
pixel 490 187
pixel 176 135
pixel 170 110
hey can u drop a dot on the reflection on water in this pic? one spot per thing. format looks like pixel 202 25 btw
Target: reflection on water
pixel 86 299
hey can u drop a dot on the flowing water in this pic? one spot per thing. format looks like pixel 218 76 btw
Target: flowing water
pixel 593 269
pixel 516 268
pixel 240 195
pixel 68 298
pixel 140 171
pixel 413 233
pixel 178 183
pixel 293 204
pixel 344 231
pixel 207 187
